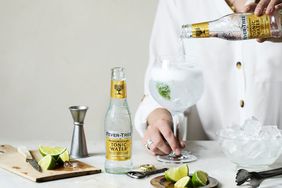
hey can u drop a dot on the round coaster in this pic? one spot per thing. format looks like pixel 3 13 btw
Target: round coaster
pixel 185 157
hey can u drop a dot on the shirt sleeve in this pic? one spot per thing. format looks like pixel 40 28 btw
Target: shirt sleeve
pixel 164 41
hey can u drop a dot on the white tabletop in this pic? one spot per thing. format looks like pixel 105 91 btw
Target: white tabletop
pixel 211 160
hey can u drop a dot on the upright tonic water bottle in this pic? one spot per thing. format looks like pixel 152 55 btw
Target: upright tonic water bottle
pixel 118 127
pixel 237 26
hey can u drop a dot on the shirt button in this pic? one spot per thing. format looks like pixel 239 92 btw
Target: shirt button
pixel 238 65
pixel 242 103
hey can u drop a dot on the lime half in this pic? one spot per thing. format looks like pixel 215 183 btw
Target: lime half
pixel 182 183
pixel 53 151
pixel 176 173
pixel 199 178
pixel 47 162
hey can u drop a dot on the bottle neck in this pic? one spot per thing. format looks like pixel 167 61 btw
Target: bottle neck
pixel 198 30
pixel 118 73
pixel 119 102
pixel 186 31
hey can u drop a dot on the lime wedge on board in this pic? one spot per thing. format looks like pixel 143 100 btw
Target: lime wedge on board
pixel 182 183
pixel 53 151
pixel 176 173
pixel 47 162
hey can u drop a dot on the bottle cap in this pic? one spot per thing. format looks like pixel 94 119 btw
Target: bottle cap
pixel 147 167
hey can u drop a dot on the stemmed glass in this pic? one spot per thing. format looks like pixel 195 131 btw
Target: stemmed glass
pixel 176 83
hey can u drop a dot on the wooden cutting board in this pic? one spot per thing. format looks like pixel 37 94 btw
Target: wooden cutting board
pixel 14 162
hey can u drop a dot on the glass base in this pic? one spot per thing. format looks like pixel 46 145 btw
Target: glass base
pixel 184 157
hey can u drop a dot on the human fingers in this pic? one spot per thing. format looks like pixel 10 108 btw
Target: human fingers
pixel 182 144
pixel 159 144
pixel 250 7
pixel 278 6
pixel 261 6
pixel 152 139
pixel 156 151
pixel 171 139
pixel 271 6
pixel 155 135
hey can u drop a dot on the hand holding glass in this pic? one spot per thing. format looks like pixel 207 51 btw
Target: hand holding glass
pixel 176 84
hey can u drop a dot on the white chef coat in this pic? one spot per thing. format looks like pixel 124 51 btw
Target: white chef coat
pixel 242 78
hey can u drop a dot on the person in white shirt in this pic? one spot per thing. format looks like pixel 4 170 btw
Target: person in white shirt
pixel 242 78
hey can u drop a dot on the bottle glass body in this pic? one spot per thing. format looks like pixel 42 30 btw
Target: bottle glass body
pixel 237 26
pixel 118 127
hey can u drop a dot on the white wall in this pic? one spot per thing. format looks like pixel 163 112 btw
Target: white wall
pixel 58 53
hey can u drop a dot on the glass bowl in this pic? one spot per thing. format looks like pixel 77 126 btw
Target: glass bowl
pixel 250 152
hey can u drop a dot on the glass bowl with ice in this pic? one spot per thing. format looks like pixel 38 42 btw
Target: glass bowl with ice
pixel 251 144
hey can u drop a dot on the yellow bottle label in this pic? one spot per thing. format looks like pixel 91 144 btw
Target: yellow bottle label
pixel 256 27
pixel 200 30
pixel 118 89
pixel 118 146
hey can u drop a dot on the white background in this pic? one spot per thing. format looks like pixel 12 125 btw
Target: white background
pixel 58 53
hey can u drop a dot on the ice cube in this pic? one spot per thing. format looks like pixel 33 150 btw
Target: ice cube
pixel 251 127
pixel 231 133
pixel 235 127
pixel 254 149
pixel 269 132
pixel 229 146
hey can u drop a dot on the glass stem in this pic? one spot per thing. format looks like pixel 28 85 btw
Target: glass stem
pixel 179 129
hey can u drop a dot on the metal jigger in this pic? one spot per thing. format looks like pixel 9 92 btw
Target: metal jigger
pixel 78 143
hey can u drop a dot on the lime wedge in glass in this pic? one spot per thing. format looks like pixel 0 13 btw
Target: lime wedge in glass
pixel 182 183
pixel 164 90
pixel 176 173
pixel 199 178
pixel 47 162
pixel 53 151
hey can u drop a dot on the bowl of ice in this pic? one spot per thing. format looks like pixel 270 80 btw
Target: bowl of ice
pixel 251 144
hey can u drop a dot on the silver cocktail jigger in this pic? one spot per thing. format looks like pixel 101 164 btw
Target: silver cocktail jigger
pixel 78 143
